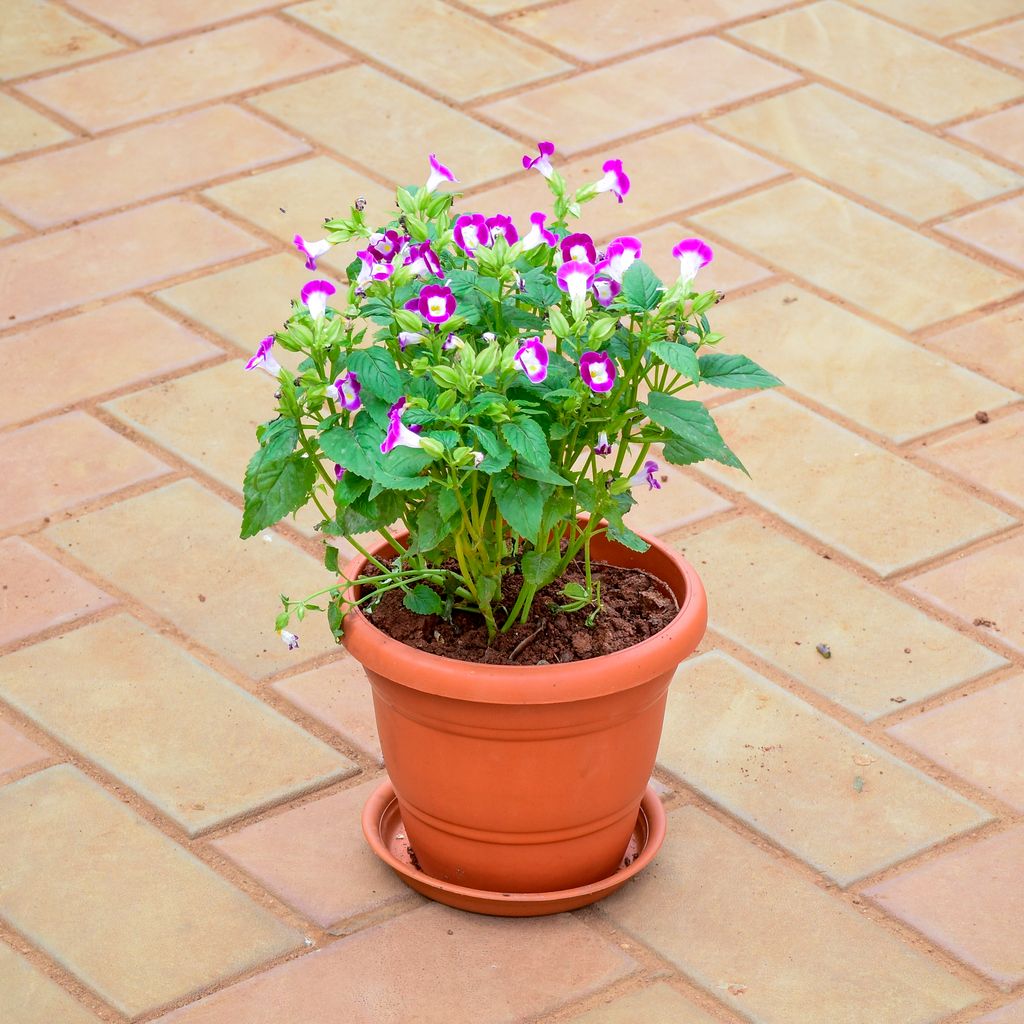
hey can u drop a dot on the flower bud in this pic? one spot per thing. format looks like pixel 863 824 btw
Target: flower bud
pixel 432 446
pixel 408 320
pixel 601 331
pixel 558 322
pixel 487 360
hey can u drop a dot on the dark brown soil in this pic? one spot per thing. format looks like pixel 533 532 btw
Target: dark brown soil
pixel 635 606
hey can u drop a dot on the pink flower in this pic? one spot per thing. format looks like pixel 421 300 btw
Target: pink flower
pixel 620 257
pixel 311 250
pixel 263 360
pixel 692 253
pixel 605 289
pixel 438 174
pixel 422 260
pixel 399 435
pixel 543 161
pixel 471 231
pixel 597 371
pixel 315 295
pixel 648 476
pixel 346 391
pixel 532 358
pixel 384 245
pixel 436 303
pixel 579 247
pixel 575 278
pixel 538 234
pixel 501 224
pixel 615 179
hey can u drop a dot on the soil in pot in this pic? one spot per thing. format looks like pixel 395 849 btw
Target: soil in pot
pixel 635 606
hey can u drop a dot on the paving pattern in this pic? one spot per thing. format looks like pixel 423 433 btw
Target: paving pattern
pixel 180 796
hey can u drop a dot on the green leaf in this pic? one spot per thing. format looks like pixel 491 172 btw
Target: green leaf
pixel 539 290
pixel 357 448
pixel 349 487
pixel 694 434
pixel 274 488
pixel 527 439
pixel 622 534
pixel 679 356
pixel 542 473
pixel 377 372
pixel 541 567
pixel 330 558
pixel 431 526
pixel 521 502
pixel 447 503
pixel 498 454
pixel 726 370
pixel 641 288
pixel 423 601
pixel 576 591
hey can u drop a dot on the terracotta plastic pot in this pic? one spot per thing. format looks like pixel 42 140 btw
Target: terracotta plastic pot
pixel 526 779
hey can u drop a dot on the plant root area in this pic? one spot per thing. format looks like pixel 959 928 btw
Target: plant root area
pixel 634 606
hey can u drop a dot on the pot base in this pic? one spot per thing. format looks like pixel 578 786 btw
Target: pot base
pixel 384 831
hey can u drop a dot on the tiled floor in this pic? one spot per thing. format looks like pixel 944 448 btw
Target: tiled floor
pixel 179 797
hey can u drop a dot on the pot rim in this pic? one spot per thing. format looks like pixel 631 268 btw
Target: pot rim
pixel 536 684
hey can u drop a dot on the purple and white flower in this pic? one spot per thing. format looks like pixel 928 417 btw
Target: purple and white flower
pixel 543 161
pixel 436 303
pixel 339 471
pixel 620 257
pixel 532 358
pixel 501 224
pixel 452 341
pixel 422 260
pixel 263 360
pixel 385 245
pixel 311 250
pixel 603 446
pixel 615 179
pixel 538 234
pixel 647 475
pixel 346 391
pixel 576 278
pixel 315 295
pixel 291 641
pixel 471 231
pixel 478 457
pixel 605 289
pixel 438 174
pixel 372 269
pixel 409 338
pixel 579 247
pixel 399 435
pixel 597 371
pixel 692 253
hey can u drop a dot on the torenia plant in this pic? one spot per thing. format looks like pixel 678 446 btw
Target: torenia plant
pixel 494 391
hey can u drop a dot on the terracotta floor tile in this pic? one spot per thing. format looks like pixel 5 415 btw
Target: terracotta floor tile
pixel 7 229
pixel 988 455
pixel 60 270
pixel 1005 43
pixel 38 592
pixel 977 737
pixel 990 345
pixel 450 52
pixel 881 61
pixel 308 192
pixel 339 696
pixel 897 165
pixel 1013 1013
pixel 114 346
pixel 199 748
pixel 134 916
pixel 727 272
pixel 779 599
pixel 316 860
pixel 849 251
pixel 141 163
pixel 1001 133
pixel 984 586
pixel 56 464
pixel 17 752
pixel 457 955
pixel 943 17
pixel 919 392
pixel 243 303
pixel 997 230
pixel 30 997
pixel 658 1004
pixel 824 960
pixel 395 146
pixel 40 35
pixel 147 20
pixel 592 30
pixel 188 539
pixel 791 772
pixel 23 129
pixel 866 502
pixel 969 901
pixel 661 184
pixel 198 68
pixel 504 6
pixel 693 77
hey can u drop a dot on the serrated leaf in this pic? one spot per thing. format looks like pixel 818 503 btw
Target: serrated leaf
pixel 541 567
pixel 679 356
pixel 377 372
pixel 274 488
pixel 431 526
pixel 526 439
pixel 349 487
pixel 423 601
pixel 541 473
pixel 725 370
pixel 694 436
pixel 641 287
pixel 622 534
pixel 498 454
pixel 357 448
pixel 521 502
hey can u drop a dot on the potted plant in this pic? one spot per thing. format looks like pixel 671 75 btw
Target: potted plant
pixel 486 397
